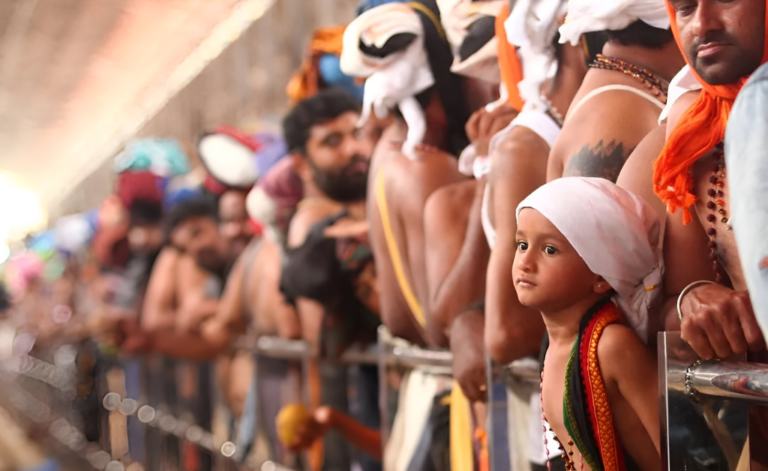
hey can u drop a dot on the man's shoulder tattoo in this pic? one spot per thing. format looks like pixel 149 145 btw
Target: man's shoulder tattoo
pixel 601 160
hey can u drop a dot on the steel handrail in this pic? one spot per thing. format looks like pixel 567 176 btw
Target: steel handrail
pixel 736 380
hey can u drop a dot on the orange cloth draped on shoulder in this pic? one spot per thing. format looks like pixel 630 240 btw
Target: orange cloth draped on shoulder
pixel 699 129
pixel 305 82
pixel 509 63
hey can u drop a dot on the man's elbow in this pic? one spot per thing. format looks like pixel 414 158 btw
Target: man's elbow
pixel 498 344
pixel 436 328
pixel 289 330
pixel 507 345
pixel 151 322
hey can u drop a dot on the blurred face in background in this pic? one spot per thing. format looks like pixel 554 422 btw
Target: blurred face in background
pixel 199 237
pixel 145 238
pixel 145 230
pixel 234 224
pixel 337 158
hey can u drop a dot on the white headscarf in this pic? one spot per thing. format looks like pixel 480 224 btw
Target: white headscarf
pixel 586 16
pixel 393 80
pixel 457 16
pixel 615 232
pixel 532 27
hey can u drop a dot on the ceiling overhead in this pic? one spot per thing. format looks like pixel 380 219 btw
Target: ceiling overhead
pixel 78 77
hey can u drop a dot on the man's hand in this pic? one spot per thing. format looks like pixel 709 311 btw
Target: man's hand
pixel 718 321
pixel 193 313
pixel 468 350
pixel 134 339
pixel 483 125
pixel 313 429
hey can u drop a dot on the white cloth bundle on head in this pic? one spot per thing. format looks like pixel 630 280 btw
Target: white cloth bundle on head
pixel 587 16
pixel 615 232
pixel 532 27
pixel 457 17
pixel 393 80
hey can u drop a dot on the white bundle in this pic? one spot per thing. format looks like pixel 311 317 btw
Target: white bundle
pixel 587 16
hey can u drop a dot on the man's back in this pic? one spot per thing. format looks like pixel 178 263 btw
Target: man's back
pixel 608 118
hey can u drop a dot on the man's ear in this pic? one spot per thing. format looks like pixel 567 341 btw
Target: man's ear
pixel 301 166
pixel 601 286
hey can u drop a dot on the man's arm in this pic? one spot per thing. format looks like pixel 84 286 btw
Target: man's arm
pixel 158 312
pixel 189 346
pixel 456 255
pixel 194 303
pixel 325 418
pixel 270 306
pixel 310 311
pixel 469 354
pixel 227 319
pixel 637 174
pixel 512 331
pixel 717 321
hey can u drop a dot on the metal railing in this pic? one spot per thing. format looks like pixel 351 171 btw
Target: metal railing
pixel 707 407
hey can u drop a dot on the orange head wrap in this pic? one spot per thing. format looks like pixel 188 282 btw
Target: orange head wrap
pixel 699 129
pixel 509 63
pixel 304 83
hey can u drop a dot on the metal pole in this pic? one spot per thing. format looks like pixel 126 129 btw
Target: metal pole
pixel 737 380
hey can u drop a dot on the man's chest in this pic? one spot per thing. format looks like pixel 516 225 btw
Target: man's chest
pixel 711 187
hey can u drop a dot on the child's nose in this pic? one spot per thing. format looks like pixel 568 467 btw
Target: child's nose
pixel 523 261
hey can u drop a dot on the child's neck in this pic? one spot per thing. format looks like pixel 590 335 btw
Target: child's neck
pixel 563 325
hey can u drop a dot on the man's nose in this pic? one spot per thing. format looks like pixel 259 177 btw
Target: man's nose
pixel 706 19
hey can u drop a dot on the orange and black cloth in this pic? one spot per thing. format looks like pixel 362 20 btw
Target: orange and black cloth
pixel 586 412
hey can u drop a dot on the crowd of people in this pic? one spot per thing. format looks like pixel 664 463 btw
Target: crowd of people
pixel 542 179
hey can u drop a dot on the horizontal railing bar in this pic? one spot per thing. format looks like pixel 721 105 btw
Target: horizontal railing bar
pixel 400 355
pixel 737 380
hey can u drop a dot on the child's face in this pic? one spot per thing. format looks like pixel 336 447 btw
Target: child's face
pixel 548 273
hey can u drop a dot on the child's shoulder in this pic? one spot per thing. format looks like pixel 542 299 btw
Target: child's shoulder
pixel 617 347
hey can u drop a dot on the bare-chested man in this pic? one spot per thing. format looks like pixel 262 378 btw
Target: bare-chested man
pixel 723 42
pixel 328 269
pixel 400 184
pixel 622 95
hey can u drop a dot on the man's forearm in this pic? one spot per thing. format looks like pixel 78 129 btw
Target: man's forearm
pixel 190 346
pixel 365 439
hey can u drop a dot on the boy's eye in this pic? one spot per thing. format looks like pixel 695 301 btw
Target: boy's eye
pixel 549 250
pixel 522 246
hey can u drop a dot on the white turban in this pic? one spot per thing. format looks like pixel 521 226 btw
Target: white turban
pixel 615 232
pixel 458 17
pixel 532 27
pixel 587 16
pixel 393 80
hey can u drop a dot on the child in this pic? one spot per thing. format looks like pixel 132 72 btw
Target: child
pixel 582 242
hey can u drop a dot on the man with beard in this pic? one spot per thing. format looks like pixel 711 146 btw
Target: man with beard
pixel 186 283
pixel 707 299
pixel 323 271
pixel 234 224
pixel 328 269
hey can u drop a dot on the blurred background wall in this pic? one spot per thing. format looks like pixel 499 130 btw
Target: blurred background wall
pixel 80 77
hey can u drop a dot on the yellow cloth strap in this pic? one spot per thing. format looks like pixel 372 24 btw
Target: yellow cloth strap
pixel 461 431
pixel 432 17
pixel 394 252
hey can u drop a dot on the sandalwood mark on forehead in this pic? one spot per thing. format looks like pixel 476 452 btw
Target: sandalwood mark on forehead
pixel 601 160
